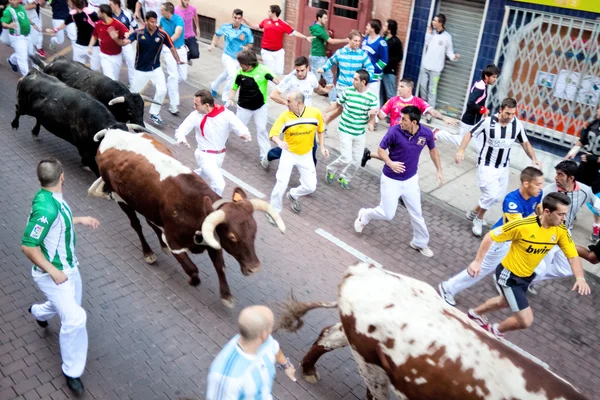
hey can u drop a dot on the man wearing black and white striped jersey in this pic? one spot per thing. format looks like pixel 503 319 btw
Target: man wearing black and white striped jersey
pixel 499 132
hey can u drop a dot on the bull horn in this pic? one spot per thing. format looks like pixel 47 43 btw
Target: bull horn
pixel 261 205
pixel 138 127
pixel 100 135
pixel 209 225
pixel 117 100
pixel 146 98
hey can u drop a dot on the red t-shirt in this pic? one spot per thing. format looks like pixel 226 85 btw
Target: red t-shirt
pixel 273 33
pixel 107 44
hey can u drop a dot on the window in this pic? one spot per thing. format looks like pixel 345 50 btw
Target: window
pixel 207 26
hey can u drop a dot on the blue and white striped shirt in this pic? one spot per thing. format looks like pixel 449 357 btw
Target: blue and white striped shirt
pixel 235 39
pixel 349 61
pixel 236 375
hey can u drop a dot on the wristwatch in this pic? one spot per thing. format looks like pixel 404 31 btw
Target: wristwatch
pixel 285 366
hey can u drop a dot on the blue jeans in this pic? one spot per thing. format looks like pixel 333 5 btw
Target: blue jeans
pixel 315 64
pixel 275 153
pixel 388 87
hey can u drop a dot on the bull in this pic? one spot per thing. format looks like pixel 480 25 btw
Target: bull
pixel 66 112
pixel 186 215
pixel 403 336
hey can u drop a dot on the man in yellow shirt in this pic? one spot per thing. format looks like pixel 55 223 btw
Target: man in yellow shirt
pixel 299 124
pixel 532 238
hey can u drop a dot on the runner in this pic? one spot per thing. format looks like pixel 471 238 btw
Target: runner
pixel 60 12
pixel 376 47
pixel 14 18
pixel 190 19
pixel 111 34
pixel 145 6
pixel 36 35
pixel 127 51
pixel 177 72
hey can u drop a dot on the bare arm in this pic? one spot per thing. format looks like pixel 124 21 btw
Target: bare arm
pixel 333 41
pixel 435 157
pixel 333 111
pixel 37 258
pixel 197 25
pixel 177 34
pixel 530 153
pixel 580 284
pixel 460 154
pixel 302 36
pixel 138 11
pixel 255 27
pixel 277 98
pixel 175 55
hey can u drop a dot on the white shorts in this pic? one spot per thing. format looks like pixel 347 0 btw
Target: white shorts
pixel 493 183
pixel 274 60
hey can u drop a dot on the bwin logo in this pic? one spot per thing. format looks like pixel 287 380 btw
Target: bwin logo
pixel 537 251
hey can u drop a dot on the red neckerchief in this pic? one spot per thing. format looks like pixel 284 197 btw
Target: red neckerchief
pixel 218 109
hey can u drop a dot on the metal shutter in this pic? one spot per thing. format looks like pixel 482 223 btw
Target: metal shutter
pixel 463 23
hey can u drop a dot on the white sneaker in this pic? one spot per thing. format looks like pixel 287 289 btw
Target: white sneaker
pixel 446 295
pixel 470 215
pixel 358 225
pixel 426 251
pixel 173 110
pixel 477 227
pixel 265 163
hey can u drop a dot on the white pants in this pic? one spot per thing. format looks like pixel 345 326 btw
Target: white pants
pixel 59 37
pixel 65 300
pixel 260 121
pixel 493 257
pixel 493 183
pixel 391 190
pixel 351 152
pixel 209 169
pixel 36 38
pixel 80 54
pixel 274 60
pixel 230 67
pixel 374 87
pixel 157 77
pixel 22 47
pixel 128 54
pixel 111 65
pixel 554 265
pixel 457 139
pixel 176 73
pixel 308 176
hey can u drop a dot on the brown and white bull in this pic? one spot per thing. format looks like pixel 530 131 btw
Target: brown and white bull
pixel 404 337
pixel 186 215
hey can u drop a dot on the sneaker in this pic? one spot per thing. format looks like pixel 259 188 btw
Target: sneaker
pixel 493 329
pixel 75 384
pixel 329 177
pixel 156 120
pixel 428 118
pixel 426 251
pixel 43 324
pixel 477 227
pixel 52 45
pixel 41 53
pixel 480 320
pixel 446 295
pixel 534 289
pixel 401 202
pixel 366 157
pixel 214 93
pixel 190 63
pixel 358 225
pixel 270 219
pixel 344 183
pixel 470 215
pixel 595 234
pixel 12 66
pixel 265 163
pixel 173 110
pixel 295 203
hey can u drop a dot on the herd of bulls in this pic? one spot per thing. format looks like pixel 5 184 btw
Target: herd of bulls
pixel 402 335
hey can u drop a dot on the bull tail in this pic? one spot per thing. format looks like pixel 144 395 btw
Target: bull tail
pixel 294 311
pixel 38 63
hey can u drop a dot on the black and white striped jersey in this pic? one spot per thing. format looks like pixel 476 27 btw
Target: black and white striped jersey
pixel 497 140
pixel 581 195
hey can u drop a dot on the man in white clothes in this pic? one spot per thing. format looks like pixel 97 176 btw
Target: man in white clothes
pixel 35 37
pixel 438 43
pixel 145 6
pixel 173 24
pixel 126 18
pixel 212 124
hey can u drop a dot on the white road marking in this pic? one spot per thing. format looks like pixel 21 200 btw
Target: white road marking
pixel 257 193
pixel 343 245
pixel 161 134
pixel 526 354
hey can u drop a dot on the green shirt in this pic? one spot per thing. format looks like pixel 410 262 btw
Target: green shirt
pixel 355 115
pixel 253 87
pixel 319 43
pixel 50 227
pixel 20 15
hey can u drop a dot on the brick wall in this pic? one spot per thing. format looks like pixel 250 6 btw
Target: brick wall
pixel 289 42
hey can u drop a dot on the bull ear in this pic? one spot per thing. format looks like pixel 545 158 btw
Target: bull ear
pixel 208 205
pixel 239 194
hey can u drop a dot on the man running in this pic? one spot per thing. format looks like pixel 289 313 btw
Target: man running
pixel 111 34
pixel 60 11
pixel 212 124
pixel 33 13
pixel 177 72
pixel 15 19
pixel 126 18
pixel 145 6
pixel 191 30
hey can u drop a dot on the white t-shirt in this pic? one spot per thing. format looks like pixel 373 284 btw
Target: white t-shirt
pixel 291 83
pixel 31 14
pixel 152 5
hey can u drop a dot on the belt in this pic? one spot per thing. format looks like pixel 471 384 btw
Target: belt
pixel 273 51
pixel 14 34
pixel 214 151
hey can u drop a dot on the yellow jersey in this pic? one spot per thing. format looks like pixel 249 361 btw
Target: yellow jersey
pixel 299 131
pixel 530 243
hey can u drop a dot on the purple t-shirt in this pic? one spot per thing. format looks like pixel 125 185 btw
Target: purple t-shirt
pixel 188 20
pixel 406 148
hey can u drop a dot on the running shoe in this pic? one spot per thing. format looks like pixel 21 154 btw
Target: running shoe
pixel 173 110
pixel 534 289
pixel 595 234
pixel 265 163
pixel 470 215
pixel 43 324
pixel 366 157
pixel 477 227
pixel 493 329
pixel 344 183
pixel 270 219
pixel 214 93
pixel 156 120
pixel 75 384
pixel 52 45
pixel 446 295
pixel 426 251
pixel 329 177
pixel 358 225
pixel 41 53
pixel 12 66
pixel 480 320
pixel 401 202
pixel 295 203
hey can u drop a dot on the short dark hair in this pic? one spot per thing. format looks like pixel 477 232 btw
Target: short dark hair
pixel 300 61
pixel 363 75
pixel 105 9
pixel 441 19
pixel 408 82
pixel 169 7
pixel 376 25
pixel 49 171
pixel 81 4
pixel 568 167
pixel 321 13
pixel 115 2
pixel 508 102
pixel 530 173
pixel 237 11
pixel 392 27
pixel 414 114
pixel 552 200
pixel 275 9
pixel 151 14
pixel 205 97
pixel 247 57
pixel 490 70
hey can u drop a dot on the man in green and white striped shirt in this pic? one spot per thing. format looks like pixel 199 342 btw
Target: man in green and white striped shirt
pixel 358 107
pixel 49 242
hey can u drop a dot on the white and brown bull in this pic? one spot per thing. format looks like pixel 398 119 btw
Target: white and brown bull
pixel 404 337
pixel 186 215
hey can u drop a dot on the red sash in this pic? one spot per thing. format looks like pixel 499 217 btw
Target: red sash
pixel 218 109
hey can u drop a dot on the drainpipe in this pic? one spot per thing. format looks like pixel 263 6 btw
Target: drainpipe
pixel 408 29
pixel 282 10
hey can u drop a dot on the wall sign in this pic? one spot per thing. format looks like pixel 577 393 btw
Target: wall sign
pixel 581 5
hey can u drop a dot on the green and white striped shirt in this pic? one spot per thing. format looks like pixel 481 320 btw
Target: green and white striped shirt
pixel 355 115
pixel 50 228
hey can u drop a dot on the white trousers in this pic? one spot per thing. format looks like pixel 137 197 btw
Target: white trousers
pixel 80 54
pixel 274 60
pixel 157 77
pixel 493 257
pixel 176 73
pixel 59 37
pixel 308 176
pixel 554 265
pixel 493 183
pixel 111 65
pixel 65 300
pixel 230 67
pixel 209 169
pixel 351 152
pixel 391 190
pixel 23 48
pixel 36 38
pixel 128 54
pixel 260 121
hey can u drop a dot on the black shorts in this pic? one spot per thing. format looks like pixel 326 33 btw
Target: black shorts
pixel 514 288
pixel 595 248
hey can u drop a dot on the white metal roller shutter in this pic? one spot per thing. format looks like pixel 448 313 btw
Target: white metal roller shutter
pixel 463 22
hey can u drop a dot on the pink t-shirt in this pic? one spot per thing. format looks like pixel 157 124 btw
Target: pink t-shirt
pixel 394 106
pixel 188 20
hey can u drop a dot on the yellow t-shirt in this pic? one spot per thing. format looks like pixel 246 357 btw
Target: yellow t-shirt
pixel 530 243
pixel 299 131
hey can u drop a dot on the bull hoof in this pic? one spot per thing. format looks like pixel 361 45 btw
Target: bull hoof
pixel 166 250
pixel 228 302
pixel 194 280
pixel 150 258
pixel 14 125
pixel 311 378
pixel 35 136
pixel 86 168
